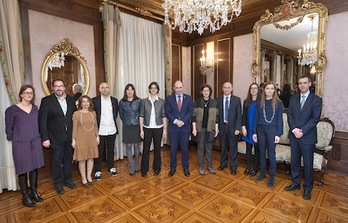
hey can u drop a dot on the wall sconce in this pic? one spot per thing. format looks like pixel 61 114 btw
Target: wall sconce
pixel 207 63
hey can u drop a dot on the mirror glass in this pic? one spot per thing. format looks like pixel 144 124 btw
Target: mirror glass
pixel 289 43
pixel 65 61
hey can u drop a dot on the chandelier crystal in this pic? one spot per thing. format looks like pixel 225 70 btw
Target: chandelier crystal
pixel 198 15
pixel 57 61
pixel 309 54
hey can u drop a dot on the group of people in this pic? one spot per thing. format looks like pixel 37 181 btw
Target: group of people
pixel 84 132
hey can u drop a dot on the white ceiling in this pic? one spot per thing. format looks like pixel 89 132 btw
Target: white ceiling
pixel 293 38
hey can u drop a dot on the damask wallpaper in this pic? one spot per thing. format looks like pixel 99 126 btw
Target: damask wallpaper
pixel 335 98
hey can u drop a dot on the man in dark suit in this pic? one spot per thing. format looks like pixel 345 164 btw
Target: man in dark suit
pixel 230 121
pixel 179 109
pixel 106 108
pixel 303 116
pixel 55 121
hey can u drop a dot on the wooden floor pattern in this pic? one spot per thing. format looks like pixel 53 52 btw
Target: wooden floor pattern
pixel 209 198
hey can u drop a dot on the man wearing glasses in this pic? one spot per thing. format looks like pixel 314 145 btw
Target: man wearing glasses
pixel 55 121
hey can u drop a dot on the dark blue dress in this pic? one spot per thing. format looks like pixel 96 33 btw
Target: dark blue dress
pixel 251 123
pixel 23 130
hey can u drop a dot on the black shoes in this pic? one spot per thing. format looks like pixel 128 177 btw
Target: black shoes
pixel 246 172
pixel 253 173
pixel 35 196
pixel 171 173
pixel 307 195
pixel 221 168
pixel 27 201
pixel 156 172
pixel 71 185
pixel 233 172
pixel 292 187
pixel 60 190
pixel 186 172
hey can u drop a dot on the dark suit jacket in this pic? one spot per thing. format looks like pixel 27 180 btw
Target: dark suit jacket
pixel 234 114
pixel 185 114
pixel 97 108
pixel 306 118
pixel 52 121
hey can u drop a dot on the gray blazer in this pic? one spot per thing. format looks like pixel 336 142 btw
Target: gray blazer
pixel 145 110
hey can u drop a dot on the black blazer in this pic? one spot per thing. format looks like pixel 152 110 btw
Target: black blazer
pixel 306 118
pixel 234 114
pixel 54 125
pixel 97 108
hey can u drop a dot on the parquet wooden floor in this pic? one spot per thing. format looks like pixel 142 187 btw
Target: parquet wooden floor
pixel 209 198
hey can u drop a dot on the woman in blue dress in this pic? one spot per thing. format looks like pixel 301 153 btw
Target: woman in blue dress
pixel 248 121
pixel 22 128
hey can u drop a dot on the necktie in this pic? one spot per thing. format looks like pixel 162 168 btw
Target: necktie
pixel 226 109
pixel 179 102
pixel 303 100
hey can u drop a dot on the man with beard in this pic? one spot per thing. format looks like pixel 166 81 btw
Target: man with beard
pixel 55 121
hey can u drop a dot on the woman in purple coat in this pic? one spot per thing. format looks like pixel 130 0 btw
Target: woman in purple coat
pixel 22 128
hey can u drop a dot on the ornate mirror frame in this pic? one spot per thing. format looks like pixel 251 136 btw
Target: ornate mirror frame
pixel 67 47
pixel 287 10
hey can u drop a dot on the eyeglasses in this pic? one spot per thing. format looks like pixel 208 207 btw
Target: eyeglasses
pixel 28 93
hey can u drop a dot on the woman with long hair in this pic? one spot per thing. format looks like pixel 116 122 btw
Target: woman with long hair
pixel 248 122
pixel 22 128
pixel 85 138
pixel 129 108
pixel 268 129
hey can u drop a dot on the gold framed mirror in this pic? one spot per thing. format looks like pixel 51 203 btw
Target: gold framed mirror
pixel 65 61
pixel 290 42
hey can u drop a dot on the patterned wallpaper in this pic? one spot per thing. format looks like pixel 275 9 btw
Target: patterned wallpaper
pixel 335 98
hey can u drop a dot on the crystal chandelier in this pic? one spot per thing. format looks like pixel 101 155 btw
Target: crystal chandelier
pixel 57 60
pixel 198 15
pixel 309 54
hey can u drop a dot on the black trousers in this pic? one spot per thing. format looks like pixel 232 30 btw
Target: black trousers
pixel 106 143
pixel 149 135
pixel 61 163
